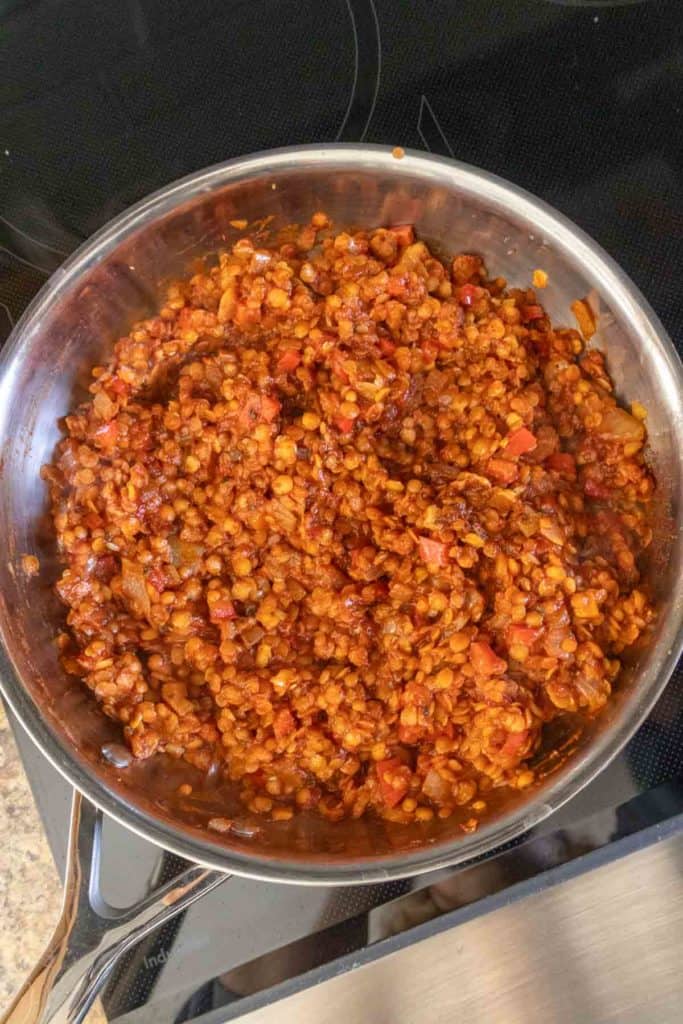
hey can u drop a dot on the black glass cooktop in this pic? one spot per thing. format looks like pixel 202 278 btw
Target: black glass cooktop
pixel 580 102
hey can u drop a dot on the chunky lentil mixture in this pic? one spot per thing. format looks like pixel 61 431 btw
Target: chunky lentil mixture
pixel 352 525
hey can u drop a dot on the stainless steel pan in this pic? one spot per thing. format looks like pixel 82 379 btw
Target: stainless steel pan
pixel 116 277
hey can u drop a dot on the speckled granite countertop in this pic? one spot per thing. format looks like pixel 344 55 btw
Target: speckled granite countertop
pixel 30 888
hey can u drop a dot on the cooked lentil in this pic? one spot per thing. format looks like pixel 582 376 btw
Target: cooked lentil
pixel 352 523
pixel 30 565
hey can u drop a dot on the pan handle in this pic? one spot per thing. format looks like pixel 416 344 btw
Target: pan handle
pixel 91 935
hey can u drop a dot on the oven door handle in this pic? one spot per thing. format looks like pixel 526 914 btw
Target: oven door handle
pixel 90 935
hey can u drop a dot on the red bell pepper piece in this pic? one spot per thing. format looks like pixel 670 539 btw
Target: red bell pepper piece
pixel 469 293
pixel 337 362
pixel 270 407
pixel 522 635
pixel 519 442
pixel 344 424
pixel 484 659
pixel 283 723
pixel 394 779
pixel 562 463
pixel 289 360
pixel 514 742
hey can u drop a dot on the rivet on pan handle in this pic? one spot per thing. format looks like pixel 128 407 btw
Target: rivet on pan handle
pixel 90 935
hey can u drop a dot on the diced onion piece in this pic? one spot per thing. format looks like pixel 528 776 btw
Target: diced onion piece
pixel 134 587
pixel 558 642
pixel 436 787
pixel 552 531
pixel 103 405
pixel 185 554
pixel 433 551
pixel 618 423
pixel 106 435
pixel 222 610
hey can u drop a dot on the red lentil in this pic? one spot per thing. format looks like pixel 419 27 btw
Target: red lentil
pixel 353 524
pixel 30 565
